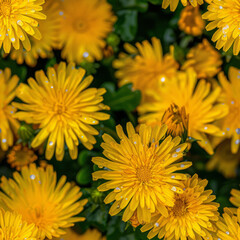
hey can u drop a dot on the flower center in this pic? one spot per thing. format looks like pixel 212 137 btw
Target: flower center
pixel 80 26
pixel 5 8
pixel 144 174
pixel 180 208
pixel 59 108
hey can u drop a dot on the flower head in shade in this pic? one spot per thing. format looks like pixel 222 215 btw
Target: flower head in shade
pixel 63 106
pixel 192 217
pixel 231 122
pixel 20 156
pixel 228 226
pixel 174 3
pixel 176 120
pixel 141 171
pixel 225 16
pixel 18 19
pixel 144 65
pixel 204 59
pixel 8 125
pixel 40 199
pixel 90 234
pixel 13 227
pixel 84 26
pixel 199 101
pixel 224 160
pixel 191 21
pixel 41 48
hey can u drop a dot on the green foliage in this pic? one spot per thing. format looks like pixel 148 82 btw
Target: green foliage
pixel 124 99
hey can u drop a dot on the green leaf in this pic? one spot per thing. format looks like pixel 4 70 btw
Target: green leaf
pixel 84 176
pixel 125 99
pixel 126 26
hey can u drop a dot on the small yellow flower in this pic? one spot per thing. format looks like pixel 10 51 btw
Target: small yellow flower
pixel 199 102
pixel 141 171
pixel 20 156
pixel 8 125
pixel 63 107
pixel 204 59
pixel 224 160
pixel 17 21
pixel 225 16
pixel 176 120
pixel 191 21
pixel 12 227
pixel 84 26
pixel 235 198
pixel 145 66
pixel 192 217
pixel 40 199
pixel 174 3
pixel 231 122
pixel 228 226
pixel 49 29
pixel 90 234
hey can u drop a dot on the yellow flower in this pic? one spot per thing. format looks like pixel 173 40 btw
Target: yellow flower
pixel 90 234
pixel 228 226
pixel 174 3
pixel 204 59
pixel 235 198
pixel 145 66
pixel 36 195
pixel 63 107
pixel 231 122
pixel 17 21
pixel 176 119
pixel 192 217
pixel 141 171
pixel 191 21
pixel 224 160
pixel 225 16
pixel 198 100
pixel 84 26
pixel 21 156
pixel 49 29
pixel 12 227
pixel 8 125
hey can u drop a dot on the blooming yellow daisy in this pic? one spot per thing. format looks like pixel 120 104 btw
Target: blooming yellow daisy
pixel 20 156
pixel 40 199
pixel 49 29
pixel 191 21
pixel 224 160
pixel 84 26
pixel 228 226
pixel 231 122
pixel 17 21
pixel 8 125
pixel 204 59
pixel 141 170
pixel 90 234
pixel 12 227
pixel 63 107
pixel 198 100
pixel 145 66
pixel 192 217
pixel 225 16
pixel 176 120
pixel 174 3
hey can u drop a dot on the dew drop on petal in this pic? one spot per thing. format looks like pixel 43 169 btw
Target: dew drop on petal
pixel 178 149
pixel 156 224
pixel 32 176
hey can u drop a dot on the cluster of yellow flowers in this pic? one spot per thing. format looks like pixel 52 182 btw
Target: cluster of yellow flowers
pixel 143 169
